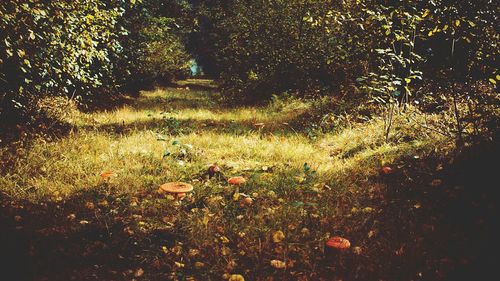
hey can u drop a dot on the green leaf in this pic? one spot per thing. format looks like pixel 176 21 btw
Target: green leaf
pixel 307 168
pixel 167 153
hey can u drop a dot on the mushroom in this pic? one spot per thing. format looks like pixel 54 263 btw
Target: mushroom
pixel 237 181
pixel 386 170
pixel 107 175
pixel 247 201
pixel 178 188
pixel 336 244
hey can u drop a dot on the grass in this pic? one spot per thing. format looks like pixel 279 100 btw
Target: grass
pixel 127 229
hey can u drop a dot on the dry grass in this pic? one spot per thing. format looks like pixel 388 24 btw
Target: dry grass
pixel 307 204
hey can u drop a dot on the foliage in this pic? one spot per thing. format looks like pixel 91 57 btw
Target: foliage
pixel 266 47
pixel 448 43
pixel 84 48
pixel 154 45
pixel 56 48
pixel 54 189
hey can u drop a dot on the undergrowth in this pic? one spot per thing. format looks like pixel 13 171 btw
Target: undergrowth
pixel 309 188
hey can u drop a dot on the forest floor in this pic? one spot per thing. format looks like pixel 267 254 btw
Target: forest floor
pixel 411 208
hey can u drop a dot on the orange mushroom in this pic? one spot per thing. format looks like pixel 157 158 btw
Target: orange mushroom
pixel 386 170
pixel 178 188
pixel 338 242
pixel 247 201
pixel 107 174
pixel 236 180
pixel 336 245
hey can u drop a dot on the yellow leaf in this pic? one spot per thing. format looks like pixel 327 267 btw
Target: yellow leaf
pixel 236 196
pixel 205 220
pixel 278 264
pixel 457 23
pixel 430 33
pixel 236 277
pixel 164 249
pixel 368 210
pixel 493 81
pixel 278 236
pixel 300 179
pixel 224 240
pixel 445 27
pixel 426 13
pixel 498 77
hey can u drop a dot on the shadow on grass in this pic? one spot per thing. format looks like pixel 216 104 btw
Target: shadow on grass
pixel 169 103
pixel 89 236
pixel 434 220
pixel 174 126
pixel 420 229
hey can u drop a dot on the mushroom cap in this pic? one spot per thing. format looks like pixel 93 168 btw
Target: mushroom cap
pixel 338 242
pixel 386 170
pixel 247 201
pixel 107 174
pixel 176 187
pixel 236 180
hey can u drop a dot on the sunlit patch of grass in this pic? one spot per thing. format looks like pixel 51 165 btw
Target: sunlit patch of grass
pixel 308 202
pixel 195 109
pixel 137 158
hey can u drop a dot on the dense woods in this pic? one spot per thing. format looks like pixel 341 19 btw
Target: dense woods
pixel 310 140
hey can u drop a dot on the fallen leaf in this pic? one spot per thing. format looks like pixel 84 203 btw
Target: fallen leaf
pixel 278 264
pixel 367 209
pixel 139 272
pixel 278 236
pixel 357 250
pixel 236 277
pixel 436 182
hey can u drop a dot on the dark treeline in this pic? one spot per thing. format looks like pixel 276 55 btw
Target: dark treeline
pixel 384 51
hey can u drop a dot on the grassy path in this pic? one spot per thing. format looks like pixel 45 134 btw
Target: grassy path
pixel 64 221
